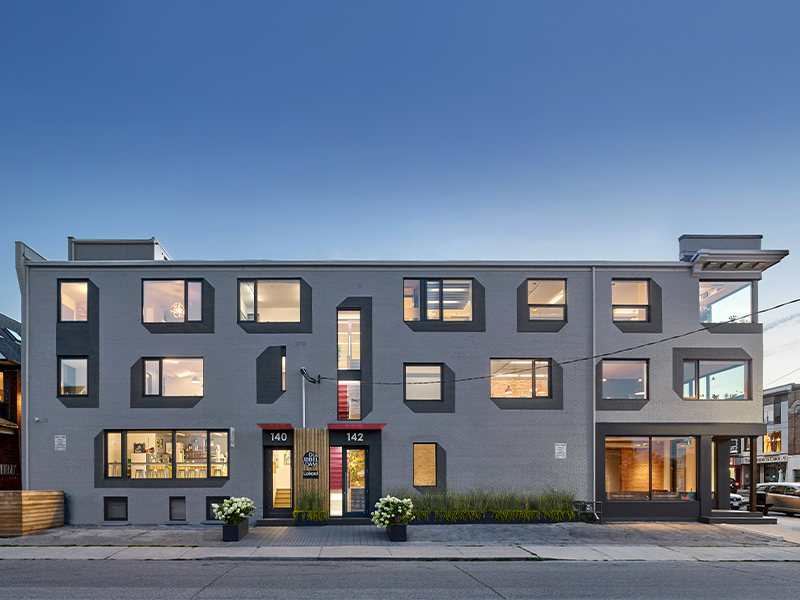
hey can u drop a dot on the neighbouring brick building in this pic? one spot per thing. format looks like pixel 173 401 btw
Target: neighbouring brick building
pixel 10 405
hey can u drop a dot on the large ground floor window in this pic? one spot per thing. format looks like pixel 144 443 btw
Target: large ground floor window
pixel 651 468
pixel 167 454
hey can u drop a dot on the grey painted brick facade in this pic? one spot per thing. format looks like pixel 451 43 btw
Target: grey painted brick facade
pixel 485 445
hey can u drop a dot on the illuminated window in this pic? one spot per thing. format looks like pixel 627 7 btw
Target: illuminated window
pixel 72 379
pixel 547 300
pixel 716 379
pixel 173 377
pixel 772 442
pixel 73 300
pixel 624 379
pixel 726 301
pixel 630 300
pixel 349 401
pixel 172 301
pixel 269 300
pixel 651 468
pixel 437 300
pixel 348 339
pixel 520 378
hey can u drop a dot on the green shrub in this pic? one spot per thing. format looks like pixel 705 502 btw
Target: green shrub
pixel 309 500
pixel 482 501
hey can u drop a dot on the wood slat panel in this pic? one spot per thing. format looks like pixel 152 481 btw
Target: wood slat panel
pixel 312 440
pixel 24 512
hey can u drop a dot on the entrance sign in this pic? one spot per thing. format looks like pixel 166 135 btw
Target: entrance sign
pixel 561 451
pixel 310 459
pixel 310 474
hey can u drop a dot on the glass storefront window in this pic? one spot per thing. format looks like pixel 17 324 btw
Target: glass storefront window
pixel 349 339
pixel 114 456
pixel 196 454
pixel 674 463
pixel 625 379
pixel 149 454
pixel 627 468
pixel 73 300
pixel 726 301
pixel 651 468
pixel 218 459
pixel 191 454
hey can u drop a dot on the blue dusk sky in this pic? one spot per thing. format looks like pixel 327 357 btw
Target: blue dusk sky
pixel 405 130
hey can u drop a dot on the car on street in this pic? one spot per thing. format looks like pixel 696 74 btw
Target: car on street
pixel 737 501
pixel 779 497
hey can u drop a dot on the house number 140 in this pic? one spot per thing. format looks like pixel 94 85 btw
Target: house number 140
pixel 279 437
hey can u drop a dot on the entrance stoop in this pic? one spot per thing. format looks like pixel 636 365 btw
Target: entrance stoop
pixel 738 517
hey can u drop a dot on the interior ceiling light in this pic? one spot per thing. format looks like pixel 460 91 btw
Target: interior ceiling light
pixel 196 379
pixel 177 310
pixel 509 390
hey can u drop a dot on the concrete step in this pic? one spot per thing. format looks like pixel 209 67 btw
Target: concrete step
pixel 275 522
pixel 738 517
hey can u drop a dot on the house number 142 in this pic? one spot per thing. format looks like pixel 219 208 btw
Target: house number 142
pixel 355 437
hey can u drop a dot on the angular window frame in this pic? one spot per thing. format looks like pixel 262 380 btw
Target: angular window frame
pixel 255 282
pixel 646 382
pixel 441 368
pixel 186 282
pixel 751 318
pixel 61 304
pixel 562 304
pixel 59 386
pixel 161 360
pixel 747 393
pixel 647 307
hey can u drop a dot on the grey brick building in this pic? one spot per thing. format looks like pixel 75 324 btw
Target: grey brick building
pixel 152 386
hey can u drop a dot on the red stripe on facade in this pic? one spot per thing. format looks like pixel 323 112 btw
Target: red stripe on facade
pixel 275 426
pixel 371 426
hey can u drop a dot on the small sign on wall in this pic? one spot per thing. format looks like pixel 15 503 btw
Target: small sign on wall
pixel 561 451
pixel 310 474
pixel 61 443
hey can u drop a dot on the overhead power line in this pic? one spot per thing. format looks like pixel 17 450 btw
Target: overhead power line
pixel 595 356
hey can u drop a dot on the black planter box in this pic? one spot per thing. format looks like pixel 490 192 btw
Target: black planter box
pixel 396 533
pixel 486 518
pixel 233 533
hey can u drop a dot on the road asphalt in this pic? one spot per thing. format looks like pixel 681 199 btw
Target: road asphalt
pixel 659 542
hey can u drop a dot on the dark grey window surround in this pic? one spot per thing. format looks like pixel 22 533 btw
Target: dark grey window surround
pixel 269 375
pixel 175 503
pixel 210 511
pixel 623 403
pixel 140 400
pixel 205 325
pixel 681 354
pixel 524 322
pixel 441 469
pixel 448 402
pixel 81 339
pixel 478 322
pixel 654 312
pixel 554 402
pixel 114 499
pixel 305 324
pixel 364 374
pixel 101 479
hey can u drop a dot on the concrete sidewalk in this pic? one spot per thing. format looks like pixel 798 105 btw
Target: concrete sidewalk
pixel 562 541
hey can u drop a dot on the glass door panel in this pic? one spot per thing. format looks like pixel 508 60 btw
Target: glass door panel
pixel 356 478
pixel 336 481
pixel 282 478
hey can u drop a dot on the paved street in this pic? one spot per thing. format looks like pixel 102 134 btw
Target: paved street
pixel 109 580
